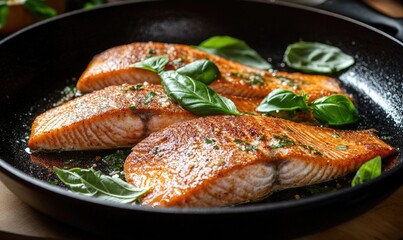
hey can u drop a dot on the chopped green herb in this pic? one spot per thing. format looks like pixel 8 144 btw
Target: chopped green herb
pixel 114 162
pixel 216 147
pixel 261 137
pixel 133 108
pixel 386 137
pixel 336 135
pixel 248 147
pixel 136 87
pixel 342 147
pixel 149 97
pixel 252 77
pixel 245 146
pixel 313 150
pixel 288 82
pixel 151 52
pixel 289 129
pixel 283 141
pixel 68 93
pixel 256 80
pixel 155 150
pixel 209 140
pixel 237 74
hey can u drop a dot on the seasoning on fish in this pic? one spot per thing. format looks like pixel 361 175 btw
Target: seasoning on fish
pixel 230 160
pixel 113 67
pixel 116 116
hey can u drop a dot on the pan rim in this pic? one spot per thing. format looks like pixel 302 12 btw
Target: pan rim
pixel 19 175
pixel 130 2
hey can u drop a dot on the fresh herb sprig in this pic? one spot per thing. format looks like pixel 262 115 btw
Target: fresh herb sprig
pixel 93 183
pixel 93 3
pixel 37 7
pixel 188 86
pixel 333 110
pixel 233 49
pixel 311 57
pixel 4 10
pixel 369 170
pixel 153 64
pixel 195 96
pixel 204 71
pixel 40 8
pixel 316 57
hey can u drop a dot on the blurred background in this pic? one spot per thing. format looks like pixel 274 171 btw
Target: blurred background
pixel 17 14
pixel 386 15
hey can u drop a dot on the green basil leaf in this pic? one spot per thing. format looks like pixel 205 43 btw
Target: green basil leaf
pixel 95 184
pixel 93 3
pixel 154 64
pixel 283 100
pixel 316 57
pixel 40 9
pixel 334 110
pixel 201 70
pixel 369 170
pixel 196 96
pixel 235 50
pixel 4 9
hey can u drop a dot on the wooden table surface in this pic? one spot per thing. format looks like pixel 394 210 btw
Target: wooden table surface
pixel 383 222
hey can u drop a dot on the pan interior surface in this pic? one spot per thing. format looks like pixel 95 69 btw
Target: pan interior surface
pixel 39 62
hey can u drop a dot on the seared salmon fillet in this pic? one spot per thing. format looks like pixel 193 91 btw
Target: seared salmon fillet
pixel 229 160
pixel 113 67
pixel 116 116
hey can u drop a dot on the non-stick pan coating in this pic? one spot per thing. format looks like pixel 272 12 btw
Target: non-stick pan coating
pixel 38 62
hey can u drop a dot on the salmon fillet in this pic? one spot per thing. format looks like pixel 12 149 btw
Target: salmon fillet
pixel 117 116
pixel 229 160
pixel 112 67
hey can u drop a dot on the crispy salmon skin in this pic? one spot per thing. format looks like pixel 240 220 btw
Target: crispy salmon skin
pixel 229 160
pixel 116 116
pixel 113 67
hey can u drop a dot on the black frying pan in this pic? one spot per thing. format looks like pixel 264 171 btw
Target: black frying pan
pixel 38 62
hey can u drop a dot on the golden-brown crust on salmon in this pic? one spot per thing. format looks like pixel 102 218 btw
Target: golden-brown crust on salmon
pixel 113 67
pixel 116 116
pixel 226 160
